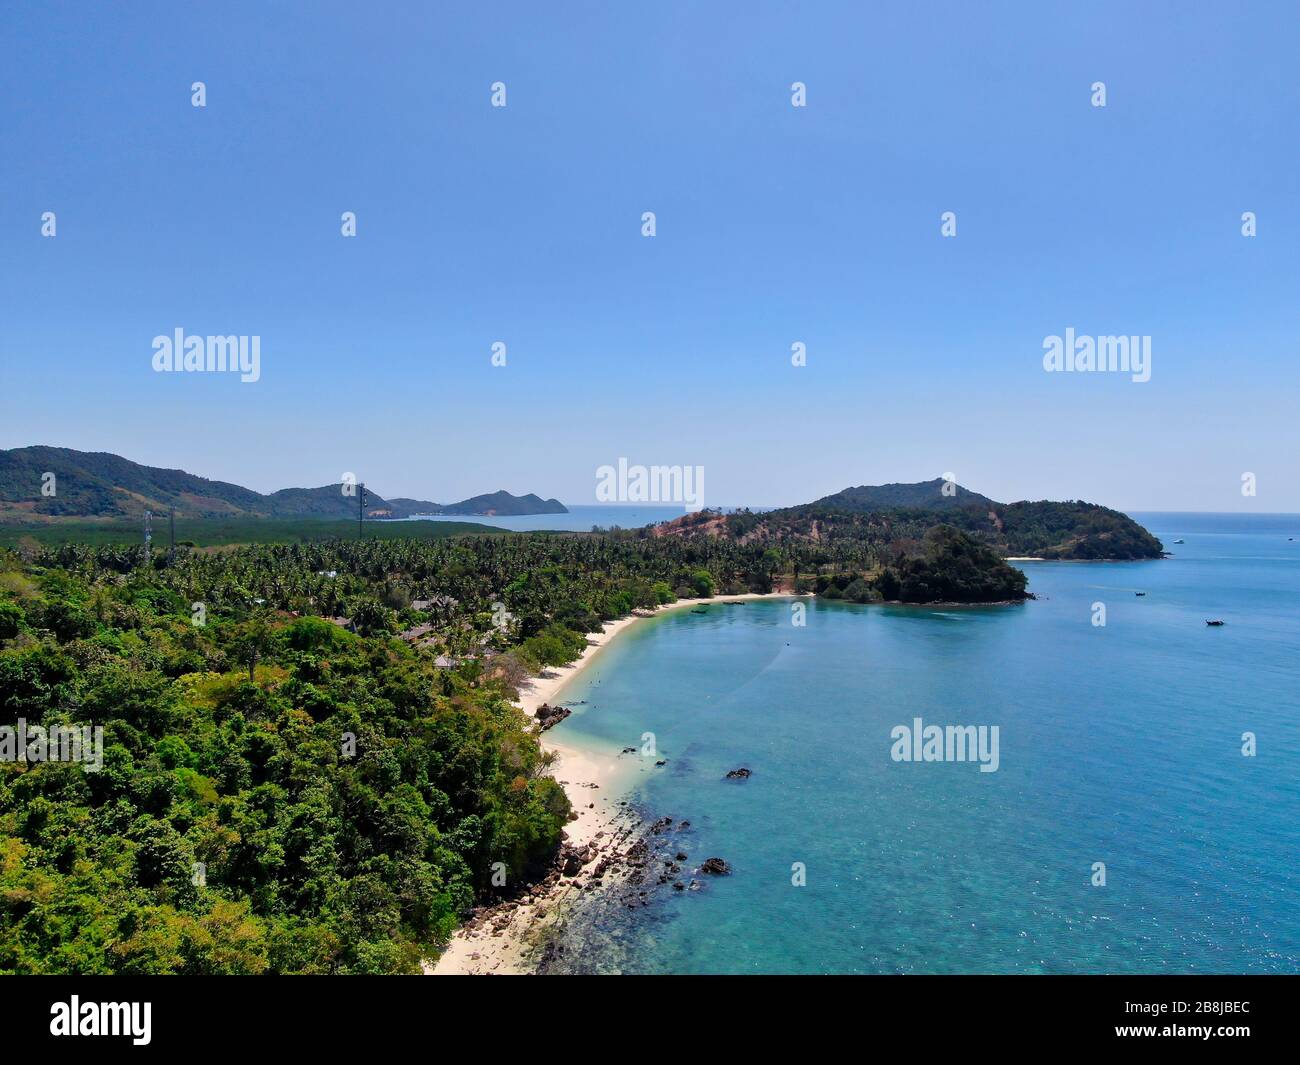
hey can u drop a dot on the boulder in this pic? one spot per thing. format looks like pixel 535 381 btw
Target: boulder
pixel 549 716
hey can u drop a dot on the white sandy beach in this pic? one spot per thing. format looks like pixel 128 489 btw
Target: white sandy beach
pixel 498 942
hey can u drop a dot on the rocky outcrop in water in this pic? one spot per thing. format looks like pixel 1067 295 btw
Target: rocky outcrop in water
pixel 638 865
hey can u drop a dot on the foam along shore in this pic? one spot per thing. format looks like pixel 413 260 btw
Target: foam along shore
pixel 501 940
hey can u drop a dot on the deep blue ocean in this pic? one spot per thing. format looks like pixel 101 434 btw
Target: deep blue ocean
pixel 1119 744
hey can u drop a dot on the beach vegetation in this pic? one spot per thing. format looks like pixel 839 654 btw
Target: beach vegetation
pixel 302 771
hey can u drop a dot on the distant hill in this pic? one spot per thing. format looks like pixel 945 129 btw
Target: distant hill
pixel 102 485
pixel 905 513
pixel 327 501
pixel 925 495
pixel 405 508
pixel 502 503
pixel 97 484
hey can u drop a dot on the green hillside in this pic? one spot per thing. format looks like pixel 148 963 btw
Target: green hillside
pixel 101 485
pixel 878 515
pixel 503 503
pixel 926 495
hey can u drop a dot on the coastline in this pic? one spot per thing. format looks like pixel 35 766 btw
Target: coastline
pixel 546 687
pixel 501 939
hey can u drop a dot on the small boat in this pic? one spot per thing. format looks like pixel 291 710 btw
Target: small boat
pixel 1139 593
pixel 1180 541
pixel 1215 622
pixel 699 610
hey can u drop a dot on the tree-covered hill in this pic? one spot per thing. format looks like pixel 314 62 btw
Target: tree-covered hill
pixel 101 485
pixel 502 502
pixel 1074 531
pixel 922 495
pixel 1044 529
pixel 947 566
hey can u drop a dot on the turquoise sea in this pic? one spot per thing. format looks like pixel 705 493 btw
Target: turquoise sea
pixel 1119 744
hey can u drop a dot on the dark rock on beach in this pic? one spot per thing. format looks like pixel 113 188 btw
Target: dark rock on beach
pixel 549 716
pixel 572 859
pixel 715 867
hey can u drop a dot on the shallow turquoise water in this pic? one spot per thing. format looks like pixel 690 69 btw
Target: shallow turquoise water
pixel 1119 745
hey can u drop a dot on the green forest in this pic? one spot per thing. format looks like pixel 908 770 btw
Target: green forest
pixel 220 532
pixel 1042 529
pixel 311 762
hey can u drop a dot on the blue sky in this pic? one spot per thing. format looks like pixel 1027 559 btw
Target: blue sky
pixel 775 224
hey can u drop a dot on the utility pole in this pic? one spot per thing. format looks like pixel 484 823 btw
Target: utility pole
pixel 361 509
pixel 148 533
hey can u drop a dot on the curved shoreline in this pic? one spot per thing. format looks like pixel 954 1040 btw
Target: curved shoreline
pixel 547 687
pixel 500 940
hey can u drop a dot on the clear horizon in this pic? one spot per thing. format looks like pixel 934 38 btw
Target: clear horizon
pixel 379 491
pixel 775 225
